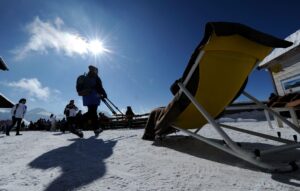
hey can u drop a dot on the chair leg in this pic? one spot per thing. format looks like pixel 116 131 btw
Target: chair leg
pixel 279 122
pixel 252 160
pixel 287 122
pixel 268 118
pixel 211 120
pixel 294 117
pixel 257 134
pixel 232 148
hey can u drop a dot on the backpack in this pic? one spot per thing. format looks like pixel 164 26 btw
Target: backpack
pixel 17 105
pixel 82 85
pixel 67 112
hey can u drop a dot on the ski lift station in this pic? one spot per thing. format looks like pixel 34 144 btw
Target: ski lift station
pixel 284 66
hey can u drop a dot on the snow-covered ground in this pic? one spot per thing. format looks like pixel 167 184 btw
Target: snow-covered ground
pixel 119 160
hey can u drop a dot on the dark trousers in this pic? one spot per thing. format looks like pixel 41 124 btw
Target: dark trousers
pixel 92 117
pixel 71 122
pixel 14 122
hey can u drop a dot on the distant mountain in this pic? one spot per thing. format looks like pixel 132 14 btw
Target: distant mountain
pixel 31 115
pixel 254 115
pixel 37 113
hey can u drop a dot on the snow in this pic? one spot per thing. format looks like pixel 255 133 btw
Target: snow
pixel 228 119
pixel 294 38
pixel 120 160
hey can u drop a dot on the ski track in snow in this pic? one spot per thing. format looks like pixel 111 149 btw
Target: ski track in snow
pixel 120 160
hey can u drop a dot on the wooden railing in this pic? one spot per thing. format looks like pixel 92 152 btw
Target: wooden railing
pixel 121 121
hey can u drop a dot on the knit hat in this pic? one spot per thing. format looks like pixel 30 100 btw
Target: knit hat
pixel 93 68
pixel 22 100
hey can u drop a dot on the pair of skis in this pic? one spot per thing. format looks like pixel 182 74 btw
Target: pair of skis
pixel 110 105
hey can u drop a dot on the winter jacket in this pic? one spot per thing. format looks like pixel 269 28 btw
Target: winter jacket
pixel 94 97
pixel 18 110
pixel 70 110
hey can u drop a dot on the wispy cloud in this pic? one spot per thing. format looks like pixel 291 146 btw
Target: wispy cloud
pixel 31 86
pixel 45 36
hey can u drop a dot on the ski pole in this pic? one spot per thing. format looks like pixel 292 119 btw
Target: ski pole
pixel 114 105
pixel 109 107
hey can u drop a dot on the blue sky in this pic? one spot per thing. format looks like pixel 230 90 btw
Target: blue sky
pixel 145 45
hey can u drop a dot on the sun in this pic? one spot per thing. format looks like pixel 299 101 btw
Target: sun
pixel 96 47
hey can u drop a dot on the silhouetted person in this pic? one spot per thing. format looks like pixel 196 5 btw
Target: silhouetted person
pixel 93 98
pixel 18 111
pixel 129 116
pixel 70 112
pixel 53 122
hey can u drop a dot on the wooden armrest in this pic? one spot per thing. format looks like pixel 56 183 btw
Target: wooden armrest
pixel 279 104
pixel 294 103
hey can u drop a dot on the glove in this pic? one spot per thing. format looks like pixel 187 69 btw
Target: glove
pixel 103 96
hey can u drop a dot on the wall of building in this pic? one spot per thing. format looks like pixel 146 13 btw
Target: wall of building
pixel 288 80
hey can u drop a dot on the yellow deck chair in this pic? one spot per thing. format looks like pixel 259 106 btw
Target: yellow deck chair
pixel 217 74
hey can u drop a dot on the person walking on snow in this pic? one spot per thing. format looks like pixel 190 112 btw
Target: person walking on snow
pixel 129 115
pixel 70 112
pixel 53 122
pixel 18 111
pixel 93 98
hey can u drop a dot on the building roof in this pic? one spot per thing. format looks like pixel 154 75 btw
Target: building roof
pixel 5 103
pixel 3 66
pixel 279 54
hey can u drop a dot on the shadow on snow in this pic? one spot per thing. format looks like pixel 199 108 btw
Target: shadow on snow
pixel 200 149
pixel 81 162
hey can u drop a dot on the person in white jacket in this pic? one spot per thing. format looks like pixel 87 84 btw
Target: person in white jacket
pixel 70 112
pixel 18 111
pixel 53 122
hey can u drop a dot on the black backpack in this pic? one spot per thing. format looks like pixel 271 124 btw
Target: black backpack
pixel 17 105
pixel 67 112
pixel 82 85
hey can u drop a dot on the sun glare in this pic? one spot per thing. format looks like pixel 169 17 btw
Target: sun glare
pixel 96 47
